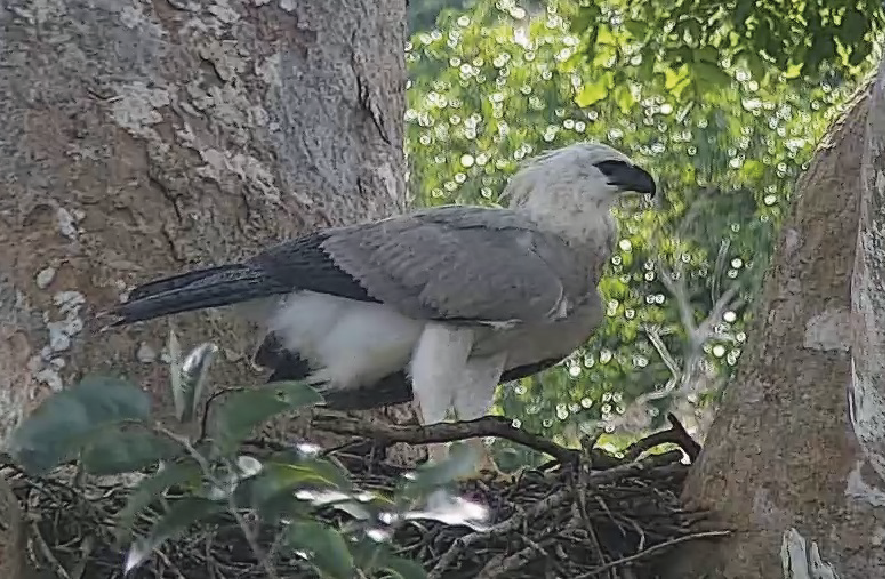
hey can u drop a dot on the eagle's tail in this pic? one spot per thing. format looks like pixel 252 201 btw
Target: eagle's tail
pixel 215 286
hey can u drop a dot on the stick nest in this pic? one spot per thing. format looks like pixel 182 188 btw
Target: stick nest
pixel 600 516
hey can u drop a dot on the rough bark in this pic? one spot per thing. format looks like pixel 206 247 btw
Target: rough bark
pixel 12 534
pixel 794 460
pixel 142 137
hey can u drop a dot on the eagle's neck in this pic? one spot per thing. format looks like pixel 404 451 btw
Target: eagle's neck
pixel 578 221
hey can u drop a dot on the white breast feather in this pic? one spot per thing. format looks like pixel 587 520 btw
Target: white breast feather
pixel 350 343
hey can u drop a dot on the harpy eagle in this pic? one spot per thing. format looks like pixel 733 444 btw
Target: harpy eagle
pixel 441 304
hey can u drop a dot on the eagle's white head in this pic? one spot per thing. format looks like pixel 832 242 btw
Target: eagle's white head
pixel 571 190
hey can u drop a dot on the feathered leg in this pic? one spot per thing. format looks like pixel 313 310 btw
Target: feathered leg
pixel 446 381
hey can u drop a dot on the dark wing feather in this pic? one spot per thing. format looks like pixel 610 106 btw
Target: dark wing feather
pixel 300 264
pixel 284 364
pixel 304 264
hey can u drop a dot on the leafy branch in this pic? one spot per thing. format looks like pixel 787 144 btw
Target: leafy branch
pixel 195 472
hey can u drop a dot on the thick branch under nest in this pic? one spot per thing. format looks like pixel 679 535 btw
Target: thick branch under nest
pixel 592 515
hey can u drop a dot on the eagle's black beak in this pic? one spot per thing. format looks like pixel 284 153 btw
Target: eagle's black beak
pixel 628 177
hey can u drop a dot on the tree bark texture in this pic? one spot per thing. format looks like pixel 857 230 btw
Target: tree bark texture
pixel 139 138
pixel 794 459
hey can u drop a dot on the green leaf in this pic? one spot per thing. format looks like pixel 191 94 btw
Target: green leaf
pixel 742 10
pixel 462 461
pixel 860 52
pixel 754 169
pixel 64 422
pixel 185 473
pixel 372 557
pixel 624 98
pixel 585 18
pixel 684 54
pixel 368 554
pixel 756 66
pixel 605 36
pixel 183 514
pixel 326 548
pixel 402 568
pixel 590 94
pixel 241 412
pixel 793 71
pixel 674 77
pixel 711 76
pixel 189 377
pixel 854 26
pixel 707 54
pixel 118 451
pixel 822 49
pixel 271 492
pixel 604 56
pixel 638 29
pixel 313 471
pixel 272 501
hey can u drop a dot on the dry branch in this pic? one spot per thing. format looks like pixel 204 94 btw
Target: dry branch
pixel 676 434
pixel 489 426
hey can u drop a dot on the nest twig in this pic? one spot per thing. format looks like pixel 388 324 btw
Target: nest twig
pixel 597 516
pixel 443 433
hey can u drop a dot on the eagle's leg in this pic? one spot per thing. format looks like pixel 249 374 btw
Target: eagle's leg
pixel 448 382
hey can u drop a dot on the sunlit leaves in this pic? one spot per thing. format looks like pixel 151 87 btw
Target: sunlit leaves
pixel 592 93
pixel 775 41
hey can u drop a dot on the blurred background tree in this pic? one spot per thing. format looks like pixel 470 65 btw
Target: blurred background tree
pixel 726 108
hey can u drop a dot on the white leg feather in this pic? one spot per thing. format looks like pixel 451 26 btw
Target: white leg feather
pixel 445 379
pixel 475 392
pixel 474 399
pixel 437 366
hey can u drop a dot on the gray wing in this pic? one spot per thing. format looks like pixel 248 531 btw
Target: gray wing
pixel 451 263
pixel 464 264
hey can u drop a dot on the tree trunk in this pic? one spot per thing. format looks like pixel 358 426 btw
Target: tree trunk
pixel 143 137
pixel 794 460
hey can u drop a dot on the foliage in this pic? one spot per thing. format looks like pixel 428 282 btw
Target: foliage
pixel 195 473
pixel 776 40
pixel 495 85
pixel 423 13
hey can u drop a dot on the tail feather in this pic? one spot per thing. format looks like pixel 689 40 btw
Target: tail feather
pixel 178 281
pixel 216 286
